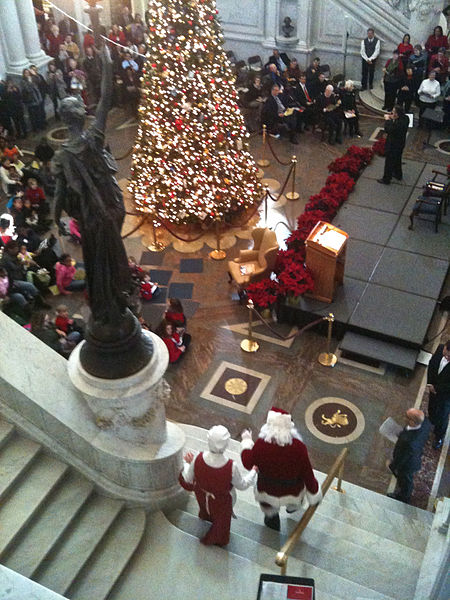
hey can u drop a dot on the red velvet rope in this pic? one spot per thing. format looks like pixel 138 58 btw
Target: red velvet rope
pixel 284 186
pixel 286 337
pixel 273 152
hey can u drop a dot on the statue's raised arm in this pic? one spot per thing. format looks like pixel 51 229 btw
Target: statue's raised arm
pixel 104 104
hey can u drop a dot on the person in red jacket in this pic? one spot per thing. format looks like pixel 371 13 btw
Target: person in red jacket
pixel 435 41
pixel 285 474
pixel 176 340
pixel 213 478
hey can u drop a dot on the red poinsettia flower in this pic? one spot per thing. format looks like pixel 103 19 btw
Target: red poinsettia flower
pixel 379 147
pixel 295 280
pixel 264 293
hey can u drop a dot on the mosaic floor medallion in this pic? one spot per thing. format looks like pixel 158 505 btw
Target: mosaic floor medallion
pixel 334 420
pixel 236 387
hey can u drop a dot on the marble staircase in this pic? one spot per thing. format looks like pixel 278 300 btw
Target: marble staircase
pixel 55 529
pixel 358 545
pixel 373 99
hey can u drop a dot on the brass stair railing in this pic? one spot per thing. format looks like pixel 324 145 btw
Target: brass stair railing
pixel 336 470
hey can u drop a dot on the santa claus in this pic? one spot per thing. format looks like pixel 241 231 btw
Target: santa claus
pixel 285 475
pixel 213 478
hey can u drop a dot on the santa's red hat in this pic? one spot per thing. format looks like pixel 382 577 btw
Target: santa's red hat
pixel 278 428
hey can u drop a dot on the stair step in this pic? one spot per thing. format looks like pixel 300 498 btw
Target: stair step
pixel 6 432
pixel 111 557
pixel 25 499
pixel 326 544
pixel 326 582
pixel 15 457
pixel 62 566
pixel 58 513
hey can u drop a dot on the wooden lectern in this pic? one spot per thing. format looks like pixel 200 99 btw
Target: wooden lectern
pixel 325 257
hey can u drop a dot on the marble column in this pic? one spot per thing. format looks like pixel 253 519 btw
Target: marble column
pixel 2 63
pixel 30 36
pixel 11 30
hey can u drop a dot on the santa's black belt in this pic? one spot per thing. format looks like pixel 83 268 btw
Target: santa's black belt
pixel 282 482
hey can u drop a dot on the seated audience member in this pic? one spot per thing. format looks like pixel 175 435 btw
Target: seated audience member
pixel 428 92
pixel 74 230
pixel 11 151
pixel 312 72
pixel 418 63
pixel 305 99
pixel 439 64
pixel 35 194
pixel 17 211
pixel 7 229
pixel 406 91
pixel 436 40
pixel 177 342
pixel 12 304
pixel 30 215
pixel 252 101
pixel 25 257
pixel 65 273
pixel 46 256
pixel 392 77
pixel 67 325
pixel 24 290
pixel 293 71
pixel 350 109
pixel 274 75
pixel 273 115
pixel 43 329
pixel 330 107
pixel 281 60
pixel 405 49
pixel 9 175
pixel 174 313
pixel 71 47
pixel 148 289
pixel 129 62
pixel 316 86
pixel 44 152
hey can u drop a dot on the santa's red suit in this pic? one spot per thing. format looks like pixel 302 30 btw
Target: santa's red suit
pixel 212 477
pixel 285 475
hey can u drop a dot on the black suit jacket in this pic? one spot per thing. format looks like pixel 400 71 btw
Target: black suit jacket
pixel 301 96
pixel 284 57
pixel 396 134
pixel 409 448
pixel 269 114
pixel 441 381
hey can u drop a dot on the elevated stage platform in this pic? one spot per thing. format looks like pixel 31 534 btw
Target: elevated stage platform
pixel 393 276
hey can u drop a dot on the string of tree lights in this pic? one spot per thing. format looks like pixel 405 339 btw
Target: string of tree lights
pixel 190 161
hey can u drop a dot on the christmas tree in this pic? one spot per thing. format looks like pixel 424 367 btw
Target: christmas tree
pixel 190 162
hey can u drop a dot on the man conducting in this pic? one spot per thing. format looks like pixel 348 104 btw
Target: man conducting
pixel 439 389
pixel 396 127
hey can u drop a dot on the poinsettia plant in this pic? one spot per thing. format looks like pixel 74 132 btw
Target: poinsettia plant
pixel 264 293
pixel 349 164
pixel 295 280
pixel 380 147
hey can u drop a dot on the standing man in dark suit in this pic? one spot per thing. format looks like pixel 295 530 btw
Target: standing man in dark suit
pixel 370 49
pixel 407 457
pixel 439 389
pixel 396 127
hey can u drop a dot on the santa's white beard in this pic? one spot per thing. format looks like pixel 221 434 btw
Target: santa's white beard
pixel 275 435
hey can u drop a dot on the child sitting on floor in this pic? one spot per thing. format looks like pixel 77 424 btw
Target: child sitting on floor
pixel 148 289
pixel 65 324
pixel 176 340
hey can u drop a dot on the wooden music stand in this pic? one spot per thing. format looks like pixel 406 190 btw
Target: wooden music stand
pixel 325 257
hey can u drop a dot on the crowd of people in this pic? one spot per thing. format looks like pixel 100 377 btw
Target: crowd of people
pixel 75 69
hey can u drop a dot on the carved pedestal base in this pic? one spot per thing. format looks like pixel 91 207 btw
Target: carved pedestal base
pixel 131 408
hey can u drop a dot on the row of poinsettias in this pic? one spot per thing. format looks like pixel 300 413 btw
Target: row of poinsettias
pixel 292 276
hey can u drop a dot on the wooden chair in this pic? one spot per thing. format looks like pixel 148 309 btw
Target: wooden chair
pixel 256 264
pixel 255 63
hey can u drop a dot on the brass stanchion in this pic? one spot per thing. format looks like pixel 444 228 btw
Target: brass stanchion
pixel 264 162
pixel 155 246
pixel 327 359
pixel 249 344
pixel 293 195
pixel 217 254
pixel 338 487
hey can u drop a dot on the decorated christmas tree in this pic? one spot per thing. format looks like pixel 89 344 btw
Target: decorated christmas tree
pixel 190 162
